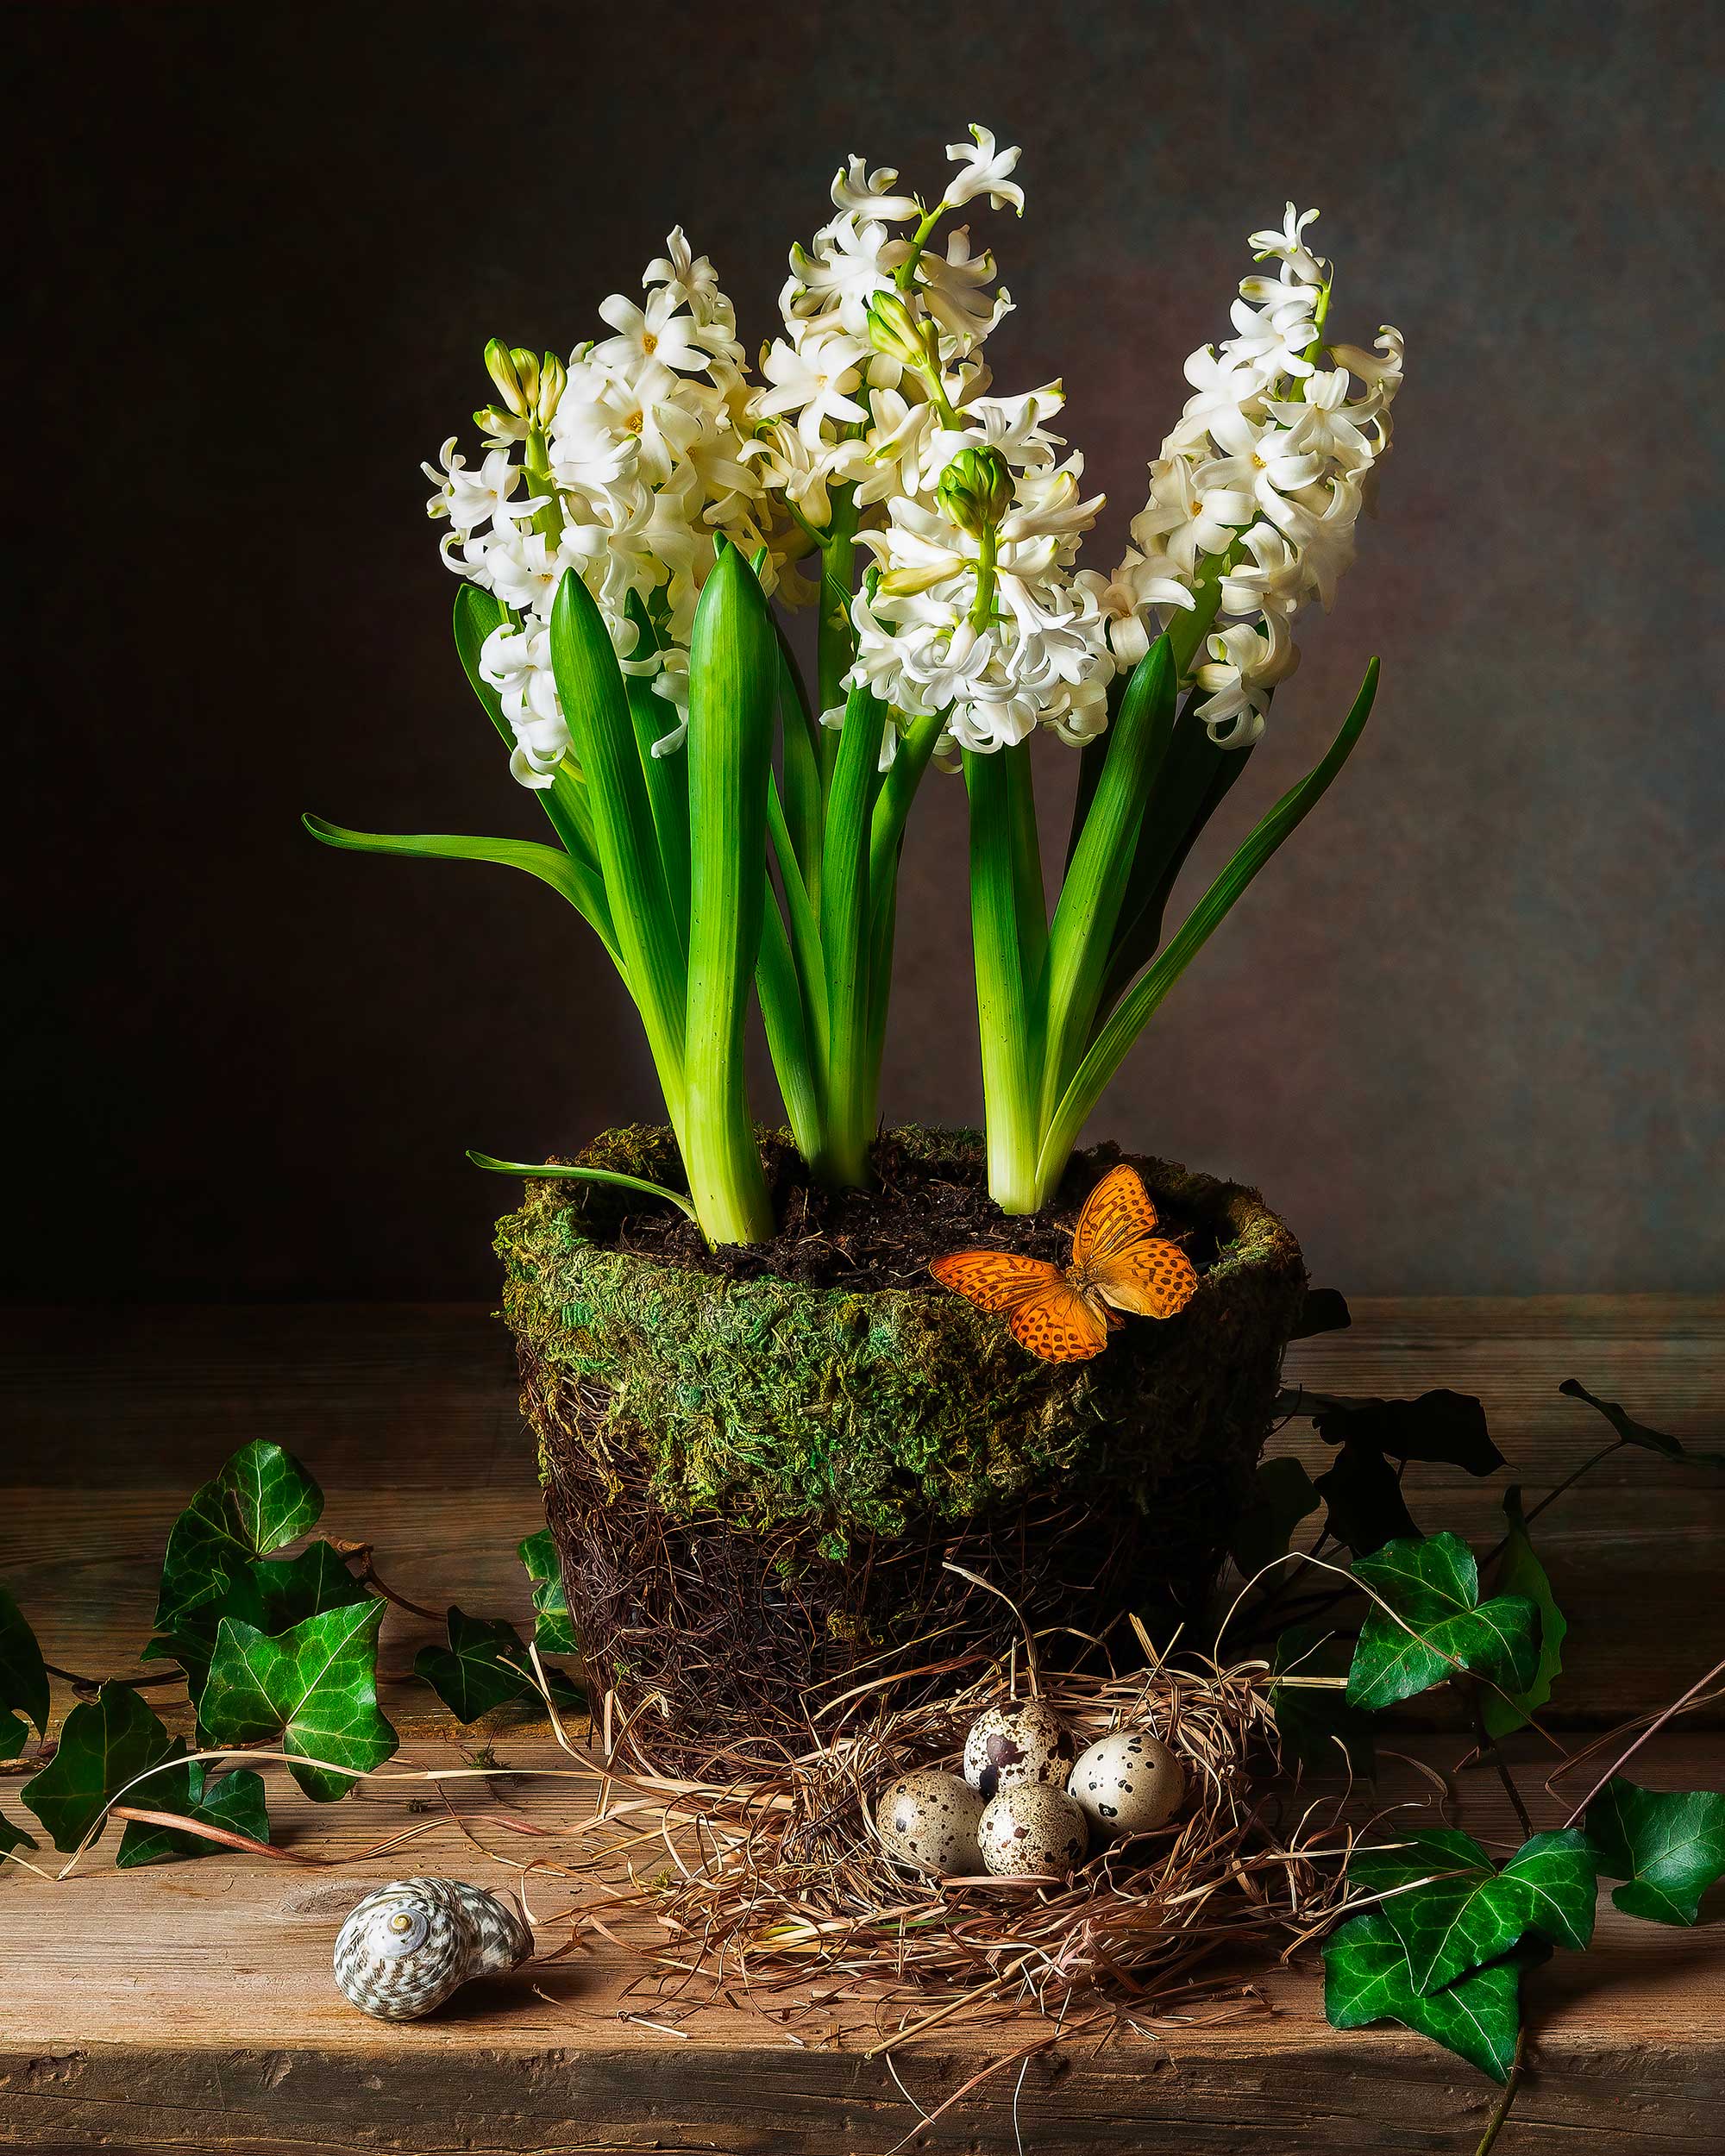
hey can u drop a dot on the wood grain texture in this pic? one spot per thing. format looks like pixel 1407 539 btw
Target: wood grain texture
pixel 190 2007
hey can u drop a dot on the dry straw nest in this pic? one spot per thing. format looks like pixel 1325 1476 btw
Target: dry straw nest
pixel 776 1882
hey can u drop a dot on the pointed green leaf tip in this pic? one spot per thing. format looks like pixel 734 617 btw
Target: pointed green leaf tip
pixel 106 1743
pixel 553 1629
pixel 484 1666
pixel 1668 1848
pixel 312 1691
pixel 23 1680
pixel 1522 1573
pixel 1366 1978
pixel 1453 1911
pixel 262 1499
pixel 1435 1625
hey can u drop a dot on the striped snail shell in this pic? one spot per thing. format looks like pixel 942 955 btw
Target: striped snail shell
pixel 412 1944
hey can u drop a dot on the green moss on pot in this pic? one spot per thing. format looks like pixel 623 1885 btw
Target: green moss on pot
pixel 771 1402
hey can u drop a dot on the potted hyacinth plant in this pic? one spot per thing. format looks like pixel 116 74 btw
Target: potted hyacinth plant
pixel 767 1430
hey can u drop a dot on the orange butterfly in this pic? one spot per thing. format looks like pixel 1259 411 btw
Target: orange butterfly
pixel 1064 1316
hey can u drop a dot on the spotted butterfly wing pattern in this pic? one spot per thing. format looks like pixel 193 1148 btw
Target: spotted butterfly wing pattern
pixel 1061 1324
pixel 1153 1279
pixel 995 1280
pixel 1118 1212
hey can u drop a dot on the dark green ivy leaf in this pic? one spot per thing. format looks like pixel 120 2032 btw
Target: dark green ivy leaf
pixel 484 1666
pixel 1467 1912
pixel 1668 1848
pixel 105 1744
pixel 1367 1978
pixel 260 1501
pixel 1323 1311
pixel 1633 1432
pixel 1363 1495
pixel 23 1681
pixel 311 1691
pixel 553 1629
pixel 1438 1625
pixel 1438 1426
pixel 290 1589
pixel 1316 1722
pixel 12 1838
pixel 1283 1496
pixel 235 1800
pixel 1523 1573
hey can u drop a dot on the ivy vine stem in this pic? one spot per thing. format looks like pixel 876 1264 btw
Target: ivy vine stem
pixel 1495 2126
pixel 1488 1751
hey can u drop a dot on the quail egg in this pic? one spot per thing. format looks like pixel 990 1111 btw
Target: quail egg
pixel 928 1820
pixel 1033 1826
pixel 1020 1742
pixel 1126 1783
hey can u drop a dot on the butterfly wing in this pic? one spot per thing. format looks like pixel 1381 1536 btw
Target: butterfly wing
pixel 1152 1279
pixel 1061 1324
pixel 1118 1212
pixel 995 1280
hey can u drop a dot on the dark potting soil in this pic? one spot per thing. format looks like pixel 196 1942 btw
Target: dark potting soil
pixel 884 1237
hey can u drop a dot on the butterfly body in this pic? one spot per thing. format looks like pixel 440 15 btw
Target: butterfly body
pixel 1064 1314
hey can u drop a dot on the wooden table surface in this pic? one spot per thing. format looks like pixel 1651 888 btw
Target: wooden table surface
pixel 190 2006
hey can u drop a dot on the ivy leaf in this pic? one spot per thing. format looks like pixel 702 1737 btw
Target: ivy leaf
pixel 1438 1625
pixel 12 1838
pixel 1633 1432
pixel 1367 1978
pixel 1313 1721
pixel 1282 1495
pixel 553 1629
pixel 1366 1507
pixel 1324 1310
pixel 484 1666
pixel 290 1589
pixel 1438 1426
pixel 1522 1573
pixel 235 1800
pixel 1467 1912
pixel 105 1744
pixel 312 1691
pixel 1668 1848
pixel 23 1681
pixel 261 1500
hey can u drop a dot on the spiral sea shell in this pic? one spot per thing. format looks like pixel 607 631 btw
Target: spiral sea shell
pixel 410 1945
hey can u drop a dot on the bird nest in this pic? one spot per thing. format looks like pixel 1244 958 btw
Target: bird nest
pixel 777 1881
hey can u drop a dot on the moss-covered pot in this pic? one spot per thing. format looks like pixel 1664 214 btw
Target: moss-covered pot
pixel 755 1486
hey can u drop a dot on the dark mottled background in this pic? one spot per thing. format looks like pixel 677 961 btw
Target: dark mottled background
pixel 1464 1032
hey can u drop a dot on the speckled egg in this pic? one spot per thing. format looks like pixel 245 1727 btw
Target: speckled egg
pixel 929 1821
pixel 1033 1826
pixel 1126 1783
pixel 1021 1742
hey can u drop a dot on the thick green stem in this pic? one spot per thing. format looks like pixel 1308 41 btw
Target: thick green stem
pixel 836 646
pixel 845 941
pixel 1008 1081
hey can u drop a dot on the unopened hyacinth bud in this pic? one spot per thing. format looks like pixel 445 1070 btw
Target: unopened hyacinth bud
pixel 976 490
pixel 895 331
pixel 553 380
pixel 501 366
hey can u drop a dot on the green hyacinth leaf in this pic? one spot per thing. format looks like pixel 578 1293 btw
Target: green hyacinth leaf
pixel 311 1691
pixel 290 1589
pixel 1523 1573
pixel 1633 1432
pixel 260 1501
pixel 104 1745
pixel 484 1666
pixel 1435 1624
pixel 569 1171
pixel 1453 1911
pixel 233 1800
pixel 1367 1978
pixel 1668 1846
pixel 23 1680
pixel 553 1629
pixel 1282 1495
pixel 1316 1722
